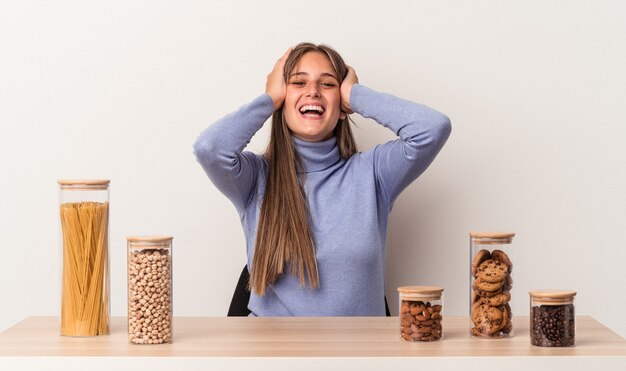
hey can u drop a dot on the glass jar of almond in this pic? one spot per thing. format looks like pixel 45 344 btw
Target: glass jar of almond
pixel 421 313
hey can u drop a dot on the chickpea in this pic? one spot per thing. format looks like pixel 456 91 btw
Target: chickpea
pixel 149 287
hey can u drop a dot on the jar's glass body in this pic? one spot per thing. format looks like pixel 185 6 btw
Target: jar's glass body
pixel 552 318
pixel 491 282
pixel 84 214
pixel 421 313
pixel 150 290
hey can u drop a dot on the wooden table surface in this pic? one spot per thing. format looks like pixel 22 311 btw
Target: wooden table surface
pixel 299 337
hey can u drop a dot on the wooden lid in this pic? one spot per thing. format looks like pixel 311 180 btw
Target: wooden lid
pixel 142 242
pixel 421 292
pixel 149 238
pixel 84 183
pixel 552 297
pixel 491 237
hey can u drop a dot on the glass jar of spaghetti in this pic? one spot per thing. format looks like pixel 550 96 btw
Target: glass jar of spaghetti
pixel 491 282
pixel 421 309
pixel 150 290
pixel 84 213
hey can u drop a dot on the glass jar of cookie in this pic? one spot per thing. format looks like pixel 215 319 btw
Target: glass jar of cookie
pixel 421 313
pixel 491 282
pixel 150 290
pixel 552 318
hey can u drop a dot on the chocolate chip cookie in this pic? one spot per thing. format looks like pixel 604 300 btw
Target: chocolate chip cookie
pixel 480 256
pixel 492 270
pixel 489 319
pixel 497 300
pixel 487 286
pixel 503 257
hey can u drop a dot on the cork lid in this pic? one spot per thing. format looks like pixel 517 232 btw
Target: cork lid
pixel 150 242
pixel 421 292
pixel 552 297
pixel 84 184
pixel 491 237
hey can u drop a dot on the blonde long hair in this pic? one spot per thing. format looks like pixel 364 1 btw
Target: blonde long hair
pixel 283 234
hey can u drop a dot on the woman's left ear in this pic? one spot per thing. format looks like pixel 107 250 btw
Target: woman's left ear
pixel 342 115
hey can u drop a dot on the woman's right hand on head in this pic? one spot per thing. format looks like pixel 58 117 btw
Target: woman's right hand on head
pixel 275 86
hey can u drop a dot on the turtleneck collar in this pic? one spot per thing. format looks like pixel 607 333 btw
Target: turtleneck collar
pixel 317 156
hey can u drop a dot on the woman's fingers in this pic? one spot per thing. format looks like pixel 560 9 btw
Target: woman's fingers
pixel 281 61
pixel 275 86
pixel 351 76
pixel 346 87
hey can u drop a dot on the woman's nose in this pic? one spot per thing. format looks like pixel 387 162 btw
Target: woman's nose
pixel 313 90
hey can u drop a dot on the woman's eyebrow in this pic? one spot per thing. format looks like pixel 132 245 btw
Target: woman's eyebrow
pixel 323 74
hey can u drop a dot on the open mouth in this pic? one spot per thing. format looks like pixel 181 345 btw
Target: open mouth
pixel 312 111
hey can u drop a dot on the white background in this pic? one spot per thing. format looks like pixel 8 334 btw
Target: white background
pixel 536 92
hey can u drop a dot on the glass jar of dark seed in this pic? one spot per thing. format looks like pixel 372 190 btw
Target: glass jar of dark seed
pixel 552 318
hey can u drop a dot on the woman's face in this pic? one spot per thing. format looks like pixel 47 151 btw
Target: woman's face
pixel 312 104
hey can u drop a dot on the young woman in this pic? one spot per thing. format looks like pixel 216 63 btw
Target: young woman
pixel 313 209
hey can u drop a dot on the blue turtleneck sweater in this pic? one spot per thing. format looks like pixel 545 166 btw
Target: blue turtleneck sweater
pixel 349 200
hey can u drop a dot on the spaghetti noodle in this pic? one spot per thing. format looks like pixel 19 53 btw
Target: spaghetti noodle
pixel 85 294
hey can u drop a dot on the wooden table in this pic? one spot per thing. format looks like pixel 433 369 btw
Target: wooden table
pixel 364 343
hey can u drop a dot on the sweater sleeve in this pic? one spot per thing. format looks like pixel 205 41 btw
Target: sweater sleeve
pixel 422 131
pixel 219 149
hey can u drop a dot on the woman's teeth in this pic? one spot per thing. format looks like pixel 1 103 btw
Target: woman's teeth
pixel 310 109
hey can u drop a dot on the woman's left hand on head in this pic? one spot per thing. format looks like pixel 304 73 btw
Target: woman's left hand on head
pixel 346 88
